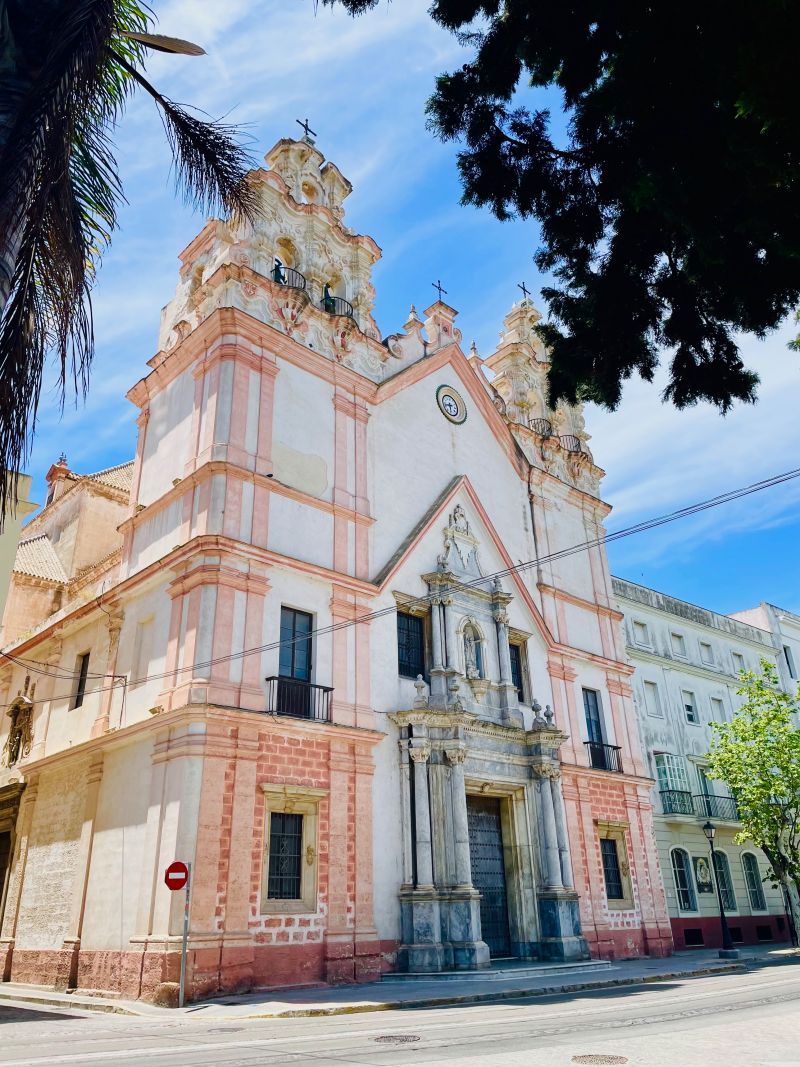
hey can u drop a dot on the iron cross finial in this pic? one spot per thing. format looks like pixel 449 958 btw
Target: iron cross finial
pixel 525 292
pixel 306 128
pixel 438 286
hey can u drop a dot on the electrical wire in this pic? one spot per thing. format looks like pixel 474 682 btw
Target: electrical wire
pixel 425 599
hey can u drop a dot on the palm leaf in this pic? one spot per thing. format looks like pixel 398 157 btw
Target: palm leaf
pixel 161 43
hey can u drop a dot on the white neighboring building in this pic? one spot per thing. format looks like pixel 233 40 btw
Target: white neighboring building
pixel 785 628
pixel 687 662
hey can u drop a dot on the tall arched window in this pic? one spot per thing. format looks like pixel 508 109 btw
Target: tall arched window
pixel 752 879
pixel 722 869
pixel 473 652
pixel 682 873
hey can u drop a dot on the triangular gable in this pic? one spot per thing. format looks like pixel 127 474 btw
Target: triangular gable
pixel 425 524
pixel 453 356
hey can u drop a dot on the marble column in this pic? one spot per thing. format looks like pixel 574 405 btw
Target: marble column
pixel 561 833
pixel 420 754
pixel 436 633
pixel 501 622
pixel 450 633
pixel 405 801
pixel 551 853
pixel 455 757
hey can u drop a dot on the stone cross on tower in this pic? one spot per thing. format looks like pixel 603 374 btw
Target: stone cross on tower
pixel 437 285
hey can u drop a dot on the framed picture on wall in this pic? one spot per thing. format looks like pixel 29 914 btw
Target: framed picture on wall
pixel 702 875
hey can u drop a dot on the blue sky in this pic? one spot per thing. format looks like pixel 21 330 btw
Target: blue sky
pixel 363 85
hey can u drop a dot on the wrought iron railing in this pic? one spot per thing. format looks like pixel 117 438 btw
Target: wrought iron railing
pixel 543 427
pixel 301 700
pixel 571 443
pixel 289 277
pixel 337 305
pixel 604 757
pixel 711 806
pixel 677 802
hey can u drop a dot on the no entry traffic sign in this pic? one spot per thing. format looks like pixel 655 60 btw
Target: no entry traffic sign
pixel 176 875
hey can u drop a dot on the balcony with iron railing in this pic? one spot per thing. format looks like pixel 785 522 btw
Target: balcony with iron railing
pixel 337 305
pixel 288 276
pixel 543 427
pixel 712 806
pixel 677 802
pixel 604 757
pixel 571 443
pixel 299 699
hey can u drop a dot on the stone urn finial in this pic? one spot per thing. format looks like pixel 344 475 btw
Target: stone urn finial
pixel 421 699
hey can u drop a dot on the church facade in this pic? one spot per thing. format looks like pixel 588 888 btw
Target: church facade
pixel 300 644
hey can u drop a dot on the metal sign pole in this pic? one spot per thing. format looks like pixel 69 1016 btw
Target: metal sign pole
pixel 182 993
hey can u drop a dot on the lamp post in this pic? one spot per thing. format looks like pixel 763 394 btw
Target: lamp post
pixel 727 951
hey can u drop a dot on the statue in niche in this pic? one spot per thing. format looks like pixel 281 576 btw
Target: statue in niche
pixel 20 733
pixel 458 520
pixel 473 655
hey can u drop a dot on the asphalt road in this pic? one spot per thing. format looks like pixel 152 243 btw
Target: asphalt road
pixel 750 1019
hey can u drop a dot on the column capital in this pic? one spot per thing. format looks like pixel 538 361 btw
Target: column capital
pixel 456 754
pixel 546 770
pixel 419 751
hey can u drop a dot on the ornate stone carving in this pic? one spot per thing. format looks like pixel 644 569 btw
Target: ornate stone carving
pixel 547 770
pixel 456 755
pixel 20 733
pixel 419 751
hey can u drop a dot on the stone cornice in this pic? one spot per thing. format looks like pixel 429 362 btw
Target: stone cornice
pixel 209 713
pixel 580 602
pixel 272 485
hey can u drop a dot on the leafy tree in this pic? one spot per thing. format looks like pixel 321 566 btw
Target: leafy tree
pixel 67 70
pixel 670 206
pixel 758 755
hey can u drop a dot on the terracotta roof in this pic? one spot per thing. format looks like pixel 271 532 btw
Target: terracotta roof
pixel 119 477
pixel 38 558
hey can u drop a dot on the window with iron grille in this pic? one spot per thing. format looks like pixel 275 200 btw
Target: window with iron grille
pixel 682 875
pixel 722 869
pixel 611 868
pixel 752 878
pixel 410 645
pixel 516 670
pixel 285 856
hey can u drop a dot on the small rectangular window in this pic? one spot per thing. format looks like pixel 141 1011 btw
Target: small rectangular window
pixel 82 672
pixel 738 662
pixel 787 655
pixel 689 705
pixel 516 671
pixel 611 869
pixel 652 699
pixel 285 856
pixel 678 644
pixel 706 653
pixel 717 710
pixel 410 645
pixel 693 938
pixel 640 634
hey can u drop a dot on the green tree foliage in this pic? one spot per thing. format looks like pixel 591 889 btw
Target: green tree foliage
pixel 758 755
pixel 67 69
pixel 669 206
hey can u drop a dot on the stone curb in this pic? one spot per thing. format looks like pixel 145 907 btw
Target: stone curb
pixel 479 998
pixel 48 999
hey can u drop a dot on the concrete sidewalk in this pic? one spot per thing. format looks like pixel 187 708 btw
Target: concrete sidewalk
pixel 326 1000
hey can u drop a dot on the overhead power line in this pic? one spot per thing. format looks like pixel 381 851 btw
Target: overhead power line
pixel 34 666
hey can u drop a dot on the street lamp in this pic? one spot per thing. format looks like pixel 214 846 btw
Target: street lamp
pixel 727 951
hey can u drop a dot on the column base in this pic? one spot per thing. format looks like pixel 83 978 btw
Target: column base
pixel 461 927
pixel 560 925
pixel 422 948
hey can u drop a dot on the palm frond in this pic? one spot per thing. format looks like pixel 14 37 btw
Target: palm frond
pixel 161 43
pixel 210 166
